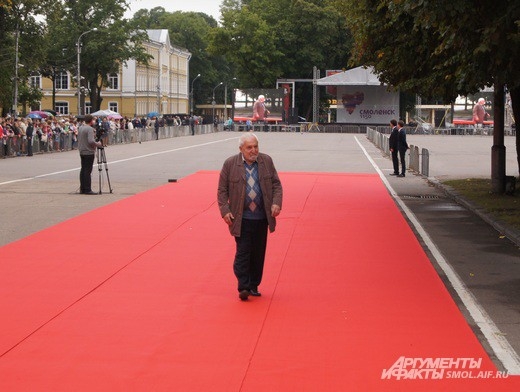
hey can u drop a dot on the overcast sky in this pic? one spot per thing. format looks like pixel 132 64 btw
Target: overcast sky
pixel 210 7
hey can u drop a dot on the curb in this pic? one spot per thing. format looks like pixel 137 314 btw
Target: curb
pixel 510 232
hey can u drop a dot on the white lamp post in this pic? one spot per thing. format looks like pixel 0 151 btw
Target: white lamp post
pixel 191 93
pixel 225 99
pixel 213 99
pixel 17 66
pixel 78 81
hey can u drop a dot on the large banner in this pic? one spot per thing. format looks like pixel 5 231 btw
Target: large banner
pixel 367 105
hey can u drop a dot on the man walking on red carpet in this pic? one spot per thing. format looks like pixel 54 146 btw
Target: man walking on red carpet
pixel 250 198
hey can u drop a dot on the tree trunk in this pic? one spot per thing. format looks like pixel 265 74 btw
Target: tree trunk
pixel 95 95
pixel 498 151
pixel 515 104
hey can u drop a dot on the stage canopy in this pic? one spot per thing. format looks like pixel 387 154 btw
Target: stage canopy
pixel 360 76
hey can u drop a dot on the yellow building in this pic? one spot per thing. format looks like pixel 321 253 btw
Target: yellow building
pixel 137 89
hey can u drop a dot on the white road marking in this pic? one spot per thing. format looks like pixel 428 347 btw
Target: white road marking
pixel 115 162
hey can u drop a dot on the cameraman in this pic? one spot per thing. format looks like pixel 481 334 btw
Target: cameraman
pixel 87 144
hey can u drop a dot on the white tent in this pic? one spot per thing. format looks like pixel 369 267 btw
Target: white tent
pixel 105 113
pixel 360 76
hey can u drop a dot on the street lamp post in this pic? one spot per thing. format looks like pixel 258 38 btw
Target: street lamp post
pixel 78 75
pixel 16 66
pixel 213 100
pixel 191 93
pixel 225 99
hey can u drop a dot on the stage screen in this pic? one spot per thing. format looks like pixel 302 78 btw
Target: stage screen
pixel 245 99
pixel 367 105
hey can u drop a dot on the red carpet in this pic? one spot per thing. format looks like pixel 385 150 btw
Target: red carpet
pixel 140 296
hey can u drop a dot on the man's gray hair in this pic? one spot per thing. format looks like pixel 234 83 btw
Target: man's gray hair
pixel 246 136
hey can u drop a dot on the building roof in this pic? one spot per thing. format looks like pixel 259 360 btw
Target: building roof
pixel 363 76
pixel 162 36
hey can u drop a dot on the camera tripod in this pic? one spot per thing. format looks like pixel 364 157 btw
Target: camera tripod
pixel 102 160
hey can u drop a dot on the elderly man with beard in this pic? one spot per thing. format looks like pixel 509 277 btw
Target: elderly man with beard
pixel 250 198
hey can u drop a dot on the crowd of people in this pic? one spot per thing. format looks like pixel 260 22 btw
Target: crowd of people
pixel 20 135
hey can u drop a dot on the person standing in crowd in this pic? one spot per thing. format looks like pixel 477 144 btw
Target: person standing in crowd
pixel 73 129
pixel 393 146
pixel 156 127
pixel 16 136
pixel 29 132
pixel 3 139
pixel 479 113
pixel 87 145
pixel 402 146
pixel 22 124
pixel 250 198
pixel 129 131
pixel 192 124
pixel 138 126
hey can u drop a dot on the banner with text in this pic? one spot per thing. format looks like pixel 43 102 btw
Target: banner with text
pixel 367 105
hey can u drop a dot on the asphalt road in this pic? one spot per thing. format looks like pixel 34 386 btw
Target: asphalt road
pixel 479 265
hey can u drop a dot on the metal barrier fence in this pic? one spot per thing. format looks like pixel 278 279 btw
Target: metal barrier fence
pixel 418 161
pixel 15 146
pixel 301 127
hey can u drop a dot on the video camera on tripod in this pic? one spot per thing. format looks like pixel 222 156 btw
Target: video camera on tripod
pixel 100 131
pixel 100 153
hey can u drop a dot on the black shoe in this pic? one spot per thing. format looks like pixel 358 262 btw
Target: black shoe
pixel 255 293
pixel 394 174
pixel 243 295
pixel 400 175
pixel 89 193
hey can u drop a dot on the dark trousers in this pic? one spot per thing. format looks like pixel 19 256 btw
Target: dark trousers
pixel 402 154
pixel 250 254
pixel 85 179
pixel 395 161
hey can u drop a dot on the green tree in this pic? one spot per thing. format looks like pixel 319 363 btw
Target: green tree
pixel 28 96
pixel 271 39
pixel 442 49
pixel 102 51
pixel 18 24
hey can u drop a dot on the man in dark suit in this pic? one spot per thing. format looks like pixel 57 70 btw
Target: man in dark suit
pixel 402 146
pixel 393 147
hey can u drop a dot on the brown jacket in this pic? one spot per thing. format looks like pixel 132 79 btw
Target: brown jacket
pixel 232 189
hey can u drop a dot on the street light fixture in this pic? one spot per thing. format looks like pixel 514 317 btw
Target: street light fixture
pixel 78 74
pixel 191 93
pixel 213 100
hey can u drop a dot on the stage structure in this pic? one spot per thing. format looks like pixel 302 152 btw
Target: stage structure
pixel 288 85
pixel 362 98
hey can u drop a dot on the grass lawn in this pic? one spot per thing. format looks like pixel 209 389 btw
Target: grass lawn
pixel 505 208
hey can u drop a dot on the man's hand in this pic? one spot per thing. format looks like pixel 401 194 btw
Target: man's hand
pixel 275 210
pixel 229 218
